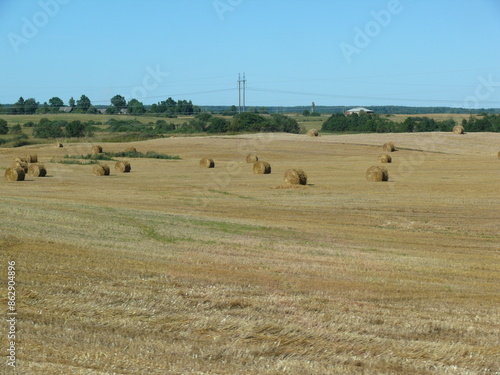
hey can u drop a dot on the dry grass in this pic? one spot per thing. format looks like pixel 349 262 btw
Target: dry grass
pixel 228 275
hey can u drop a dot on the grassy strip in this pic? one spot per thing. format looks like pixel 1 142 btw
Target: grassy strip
pixel 73 161
pixel 137 154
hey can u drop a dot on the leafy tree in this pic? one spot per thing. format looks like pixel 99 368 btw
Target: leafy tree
pixel 75 129
pixel 217 125
pixel 47 129
pixel 249 122
pixel 30 106
pixel 282 123
pixel 119 101
pixel 306 112
pixel 83 103
pixel 3 127
pixel 56 102
pixel 111 110
pixel 71 102
pixel 136 107
pixel 92 110
pixel 18 107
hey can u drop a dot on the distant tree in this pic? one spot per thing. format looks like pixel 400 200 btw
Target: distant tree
pixel 111 110
pixel 217 125
pixel 306 112
pixel 119 101
pixel 135 107
pixel 30 106
pixel 56 102
pixel 247 121
pixel 18 107
pixel 282 123
pixel 71 102
pixel 3 127
pixel 75 129
pixel 92 110
pixel 47 129
pixel 83 103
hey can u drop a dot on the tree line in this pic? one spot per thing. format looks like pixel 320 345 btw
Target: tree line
pixel 201 123
pixel 119 104
pixel 373 123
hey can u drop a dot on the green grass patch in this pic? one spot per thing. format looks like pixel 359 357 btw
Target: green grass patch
pixel 103 156
pixel 137 154
pixel 74 161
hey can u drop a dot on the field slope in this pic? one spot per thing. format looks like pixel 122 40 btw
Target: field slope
pixel 175 269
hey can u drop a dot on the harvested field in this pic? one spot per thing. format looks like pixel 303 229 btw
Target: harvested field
pixel 216 271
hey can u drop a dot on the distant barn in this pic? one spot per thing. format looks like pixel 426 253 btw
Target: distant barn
pixel 66 109
pixel 357 110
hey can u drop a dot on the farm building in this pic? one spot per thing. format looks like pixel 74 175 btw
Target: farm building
pixel 357 110
pixel 66 109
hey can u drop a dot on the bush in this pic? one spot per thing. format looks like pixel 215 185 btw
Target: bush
pixel 217 125
pixel 248 122
pixel 48 129
pixel 3 127
pixel 16 129
pixel 75 129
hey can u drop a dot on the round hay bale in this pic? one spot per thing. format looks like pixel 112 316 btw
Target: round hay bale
pixel 130 149
pixel 295 177
pixel 312 133
pixel 101 170
pixel 31 158
pixel 96 150
pixel 377 173
pixel 21 164
pixel 21 160
pixel 122 167
pixel 14 174
pixel 37 170
pixel 389 147
pixel 207 163
pixel 58 145
pixel 261 167
pixel 458 129
pixel 384 158
pixel 251 158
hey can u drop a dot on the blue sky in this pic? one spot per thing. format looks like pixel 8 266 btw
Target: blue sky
pixel 332 52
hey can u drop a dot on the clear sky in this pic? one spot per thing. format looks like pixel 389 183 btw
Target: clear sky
pixel 293 52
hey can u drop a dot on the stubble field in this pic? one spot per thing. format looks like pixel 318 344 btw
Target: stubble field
pixel 175 269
